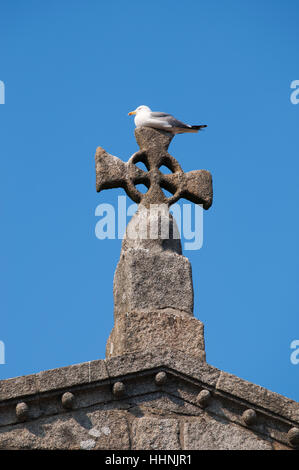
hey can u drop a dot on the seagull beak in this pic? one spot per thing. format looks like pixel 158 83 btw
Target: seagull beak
pixel 131 113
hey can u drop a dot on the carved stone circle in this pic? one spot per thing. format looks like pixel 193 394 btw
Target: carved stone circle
pixel 111 172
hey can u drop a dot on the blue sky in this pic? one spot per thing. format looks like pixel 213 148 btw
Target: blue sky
pixel 72 71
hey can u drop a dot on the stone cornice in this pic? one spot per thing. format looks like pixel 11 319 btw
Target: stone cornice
pixel 120 381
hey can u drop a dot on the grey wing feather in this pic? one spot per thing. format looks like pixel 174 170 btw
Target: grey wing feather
pixel 158 114
pixel 172 121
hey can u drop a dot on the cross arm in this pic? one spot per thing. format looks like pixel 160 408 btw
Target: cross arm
pixel 196 186
pixel 112 172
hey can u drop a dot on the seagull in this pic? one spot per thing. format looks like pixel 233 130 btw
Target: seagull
pixel 145 117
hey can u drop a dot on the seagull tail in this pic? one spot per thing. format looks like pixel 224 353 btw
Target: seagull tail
pixel 198 128
pixel 182 130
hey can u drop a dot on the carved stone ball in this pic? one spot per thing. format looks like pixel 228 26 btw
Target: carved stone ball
pixel 249 417
pixel 22 411
pixel 293 437
pixel 68 400
pixel 203 398
pixel 119 389
pixel 161 378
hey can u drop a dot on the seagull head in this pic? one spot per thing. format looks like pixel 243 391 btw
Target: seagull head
pixel 140 109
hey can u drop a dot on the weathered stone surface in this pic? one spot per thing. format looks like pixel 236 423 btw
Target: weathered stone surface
pixel 249 417
pixel 233 410
pixel 136 332
pixel 63 377
pixel 280 446
pixel 130 363
pixel 11 411
pixel 148 281
pixel 77 430
pixel 159 357
pixel 207 433
pixel 18 387
pixel 152 230
pixel 152 276
pixel 97 413
pixel 110 428
pixel 97 370
pixel 161 378
pixel 68 400
pixel 111 172
pixel 160 404
pixel 119 389
pixel 258 395
pixel 155 433
pixel 204 398
pixel 22 411
pixel 293 437
pixel 89 396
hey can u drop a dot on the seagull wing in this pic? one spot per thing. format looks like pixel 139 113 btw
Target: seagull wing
pixel 167 121
pixel 157 114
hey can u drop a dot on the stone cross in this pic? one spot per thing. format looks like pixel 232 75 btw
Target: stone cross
pixel 111 172
pixel 153 290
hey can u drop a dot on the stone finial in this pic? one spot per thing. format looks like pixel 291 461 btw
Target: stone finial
pixel 161 378
pixel 293 437
pixel 118 389
pixel 153 290
pixel 204 398
pixel 249 417
pixel 22 411
pixel 111 172
pixel 68 400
